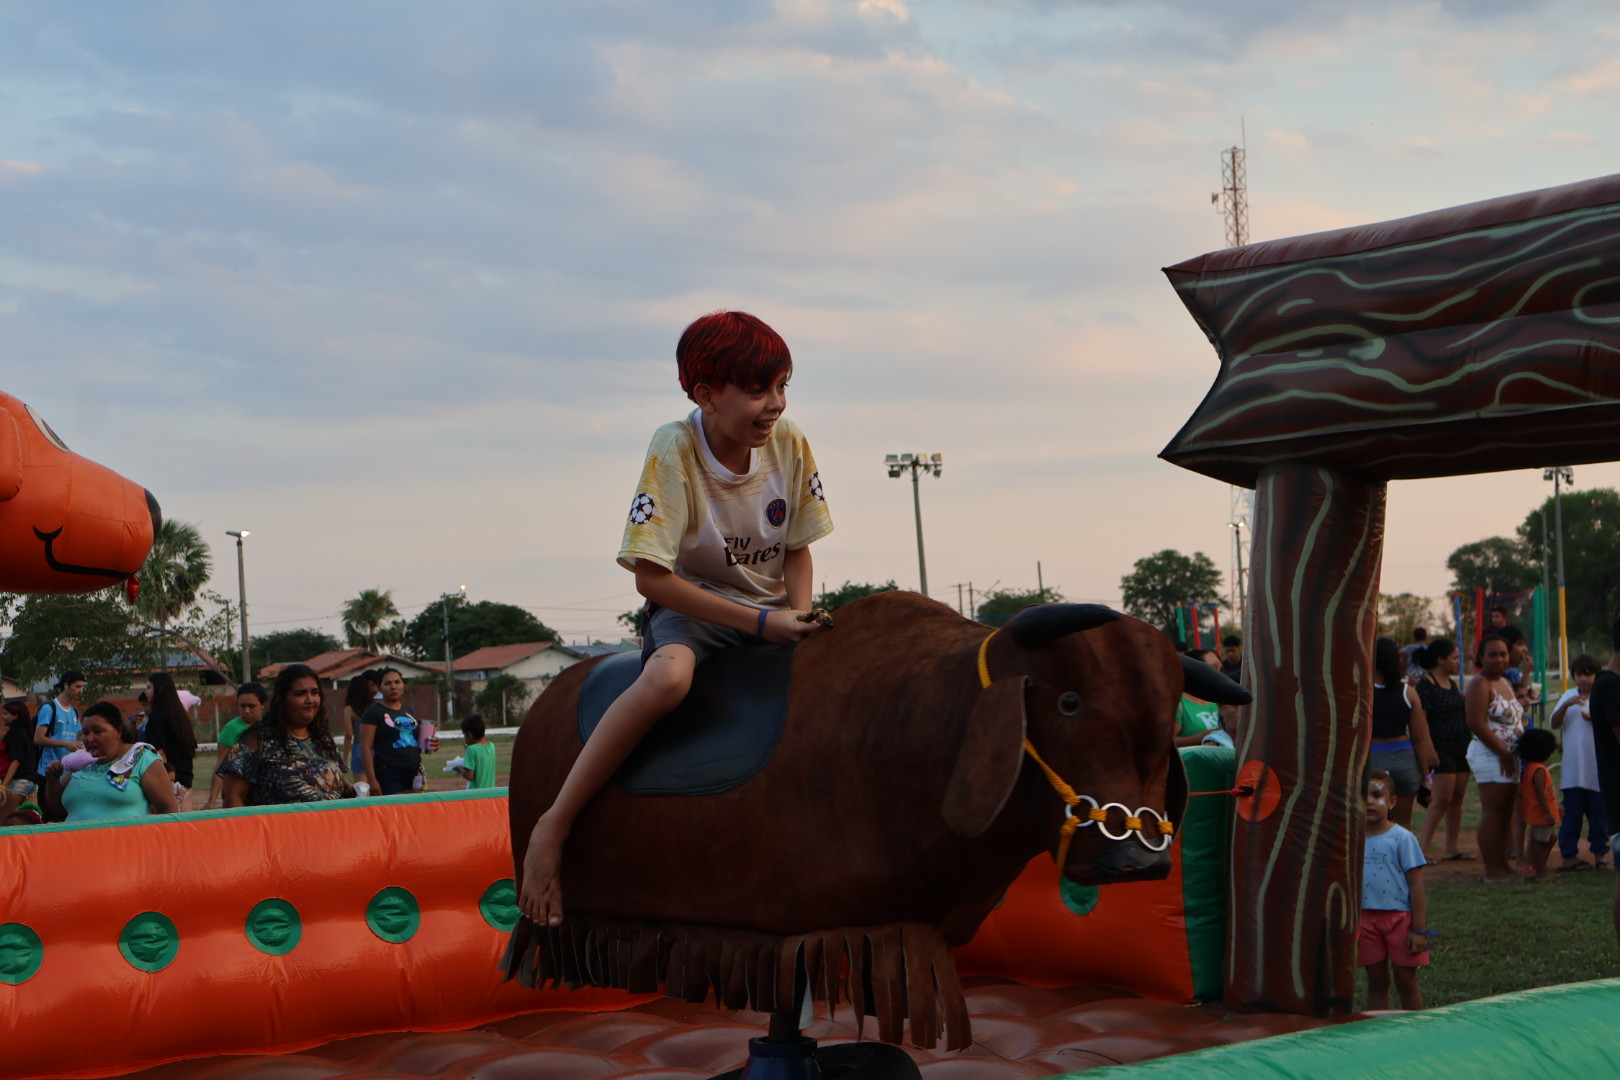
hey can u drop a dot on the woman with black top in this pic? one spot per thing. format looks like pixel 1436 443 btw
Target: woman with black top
pixel 169 730
pixel 390 751
pixel 17 757
pixel 1400 731
pixel 1444 708
pixel 362 691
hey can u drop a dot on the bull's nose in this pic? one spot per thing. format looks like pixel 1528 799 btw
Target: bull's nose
pixel 157 513
pixel 1133 859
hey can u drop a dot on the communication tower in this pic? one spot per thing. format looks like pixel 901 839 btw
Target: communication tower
pixel 1233 203
pixel 1233 198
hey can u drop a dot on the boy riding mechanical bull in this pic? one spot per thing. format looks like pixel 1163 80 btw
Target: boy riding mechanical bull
pixel 719 540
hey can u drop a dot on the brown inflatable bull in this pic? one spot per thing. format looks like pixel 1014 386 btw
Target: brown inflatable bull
pixel 924 761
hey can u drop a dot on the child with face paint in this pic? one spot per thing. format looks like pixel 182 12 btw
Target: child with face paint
pixel 1394 909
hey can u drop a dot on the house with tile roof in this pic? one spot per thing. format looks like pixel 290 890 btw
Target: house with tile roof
pixel 535 662
pixel 337 667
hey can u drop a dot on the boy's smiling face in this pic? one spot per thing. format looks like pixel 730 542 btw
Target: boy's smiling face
pixel 735 418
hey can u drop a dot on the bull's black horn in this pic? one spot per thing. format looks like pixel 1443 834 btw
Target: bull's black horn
pixel 1203 681
pixel 1048 622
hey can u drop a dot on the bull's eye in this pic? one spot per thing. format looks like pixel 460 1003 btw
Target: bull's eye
pixel 1069 703
pixel 45 429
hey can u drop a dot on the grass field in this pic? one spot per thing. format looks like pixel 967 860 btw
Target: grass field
pixel 439 780
pixel 1493 938
pixel 1497 938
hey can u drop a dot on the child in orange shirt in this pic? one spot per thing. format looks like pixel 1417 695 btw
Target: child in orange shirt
pixel 1538 798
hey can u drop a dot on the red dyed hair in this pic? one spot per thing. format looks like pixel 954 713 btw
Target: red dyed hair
pixel 730 348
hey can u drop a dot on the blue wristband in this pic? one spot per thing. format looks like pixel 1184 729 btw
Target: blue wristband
pixel 759 631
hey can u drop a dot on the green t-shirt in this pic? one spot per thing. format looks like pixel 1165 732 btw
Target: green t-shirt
pixel 1195 719
pixel 95 793
pixel 481 763
pixel 231 732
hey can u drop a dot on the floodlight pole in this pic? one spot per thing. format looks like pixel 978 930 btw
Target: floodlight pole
pixel 241 598
pixel 1560 476
pixel 898 464
pixel 1242 599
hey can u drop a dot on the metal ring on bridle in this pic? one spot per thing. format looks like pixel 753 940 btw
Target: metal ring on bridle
pixel 1083 819
pixel 1162 837
pixel 1102 824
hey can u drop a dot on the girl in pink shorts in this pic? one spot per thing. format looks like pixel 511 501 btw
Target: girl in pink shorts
pixel 1394 911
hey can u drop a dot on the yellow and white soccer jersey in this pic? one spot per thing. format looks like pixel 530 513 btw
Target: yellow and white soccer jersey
pixel 726 532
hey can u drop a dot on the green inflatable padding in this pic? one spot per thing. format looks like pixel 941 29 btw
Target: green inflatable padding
pixel 1557 1031
pixel 1206 844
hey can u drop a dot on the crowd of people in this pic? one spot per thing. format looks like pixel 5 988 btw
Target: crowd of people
pixel 68 762
pixel 1435 729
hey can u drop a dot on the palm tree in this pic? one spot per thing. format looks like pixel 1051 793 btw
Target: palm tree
pixel 174 573
pixel 364 616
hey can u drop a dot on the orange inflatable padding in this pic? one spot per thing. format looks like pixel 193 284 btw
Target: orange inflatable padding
pixel 89 1011
pixel 67 524
pixel 1135 937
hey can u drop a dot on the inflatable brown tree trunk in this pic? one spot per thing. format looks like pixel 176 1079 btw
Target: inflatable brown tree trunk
pixel 1473 339
pixel 1296 882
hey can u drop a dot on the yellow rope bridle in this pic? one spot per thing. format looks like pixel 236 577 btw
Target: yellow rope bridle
pixel 1072 822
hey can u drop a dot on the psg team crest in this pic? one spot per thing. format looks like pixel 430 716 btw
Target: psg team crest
pixel 641 509
pixel 776 513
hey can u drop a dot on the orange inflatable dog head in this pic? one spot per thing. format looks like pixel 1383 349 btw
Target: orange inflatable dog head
pixel 67 524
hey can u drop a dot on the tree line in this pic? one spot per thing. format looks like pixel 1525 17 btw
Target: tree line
pixel 175 611
pixel 115 639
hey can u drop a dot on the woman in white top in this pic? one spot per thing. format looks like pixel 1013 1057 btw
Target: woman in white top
pixel 1583 799
pixel 1496 719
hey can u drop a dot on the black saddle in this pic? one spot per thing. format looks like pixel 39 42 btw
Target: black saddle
pixel 718 738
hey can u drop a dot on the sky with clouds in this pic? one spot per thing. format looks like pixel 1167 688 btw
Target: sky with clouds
pixel 397 285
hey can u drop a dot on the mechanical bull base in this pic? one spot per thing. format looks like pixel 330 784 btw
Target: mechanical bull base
pixel 904 798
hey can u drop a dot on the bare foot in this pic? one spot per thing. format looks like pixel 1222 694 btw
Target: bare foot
pixel 540 897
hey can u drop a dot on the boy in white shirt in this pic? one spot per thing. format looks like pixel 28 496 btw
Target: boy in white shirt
pixel 1583 799
pixel 718 538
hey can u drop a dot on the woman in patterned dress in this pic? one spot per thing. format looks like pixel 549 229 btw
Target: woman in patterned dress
pixel 289 756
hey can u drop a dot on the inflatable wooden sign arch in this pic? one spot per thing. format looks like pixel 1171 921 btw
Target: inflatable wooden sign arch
pixel 1475 339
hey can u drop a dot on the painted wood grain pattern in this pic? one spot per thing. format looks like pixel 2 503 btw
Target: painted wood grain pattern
pixel 1368 358
pixel 1296 876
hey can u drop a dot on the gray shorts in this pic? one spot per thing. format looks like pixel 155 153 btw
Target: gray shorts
pixel 1402 767
pixel 668 627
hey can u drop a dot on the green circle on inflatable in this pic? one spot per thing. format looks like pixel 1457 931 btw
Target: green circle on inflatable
pixel 21 953
pixel 498 905
pixel 393 915
pixel 149 941
pixel 1079 899
pixel 273 927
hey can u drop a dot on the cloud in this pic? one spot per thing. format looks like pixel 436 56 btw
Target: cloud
pixel 303 261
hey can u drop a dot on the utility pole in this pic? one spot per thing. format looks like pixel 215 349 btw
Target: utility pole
pixel 450 664
pixel 241 598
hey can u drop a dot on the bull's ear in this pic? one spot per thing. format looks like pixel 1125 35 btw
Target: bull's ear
pixel 989 758
pixel 10 457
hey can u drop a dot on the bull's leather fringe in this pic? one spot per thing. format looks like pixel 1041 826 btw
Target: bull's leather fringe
pixel 896 972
